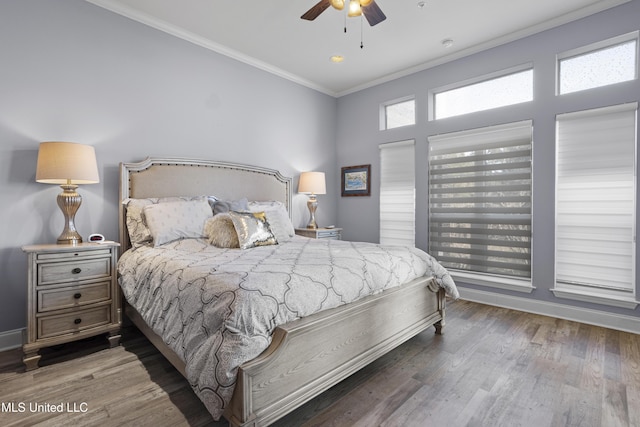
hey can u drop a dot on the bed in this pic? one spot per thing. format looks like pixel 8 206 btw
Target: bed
pixel 308 344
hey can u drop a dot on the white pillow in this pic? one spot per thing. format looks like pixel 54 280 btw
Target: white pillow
pixel 177 220
pixel 139 233
pixel 278 218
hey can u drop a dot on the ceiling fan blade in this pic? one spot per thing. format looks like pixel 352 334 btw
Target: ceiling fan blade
pixel 316 10
pixel 373 13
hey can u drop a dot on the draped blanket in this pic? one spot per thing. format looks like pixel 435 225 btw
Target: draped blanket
pixel 216 308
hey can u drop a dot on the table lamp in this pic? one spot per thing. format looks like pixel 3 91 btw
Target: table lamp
pixel 67 164
pixel 312 183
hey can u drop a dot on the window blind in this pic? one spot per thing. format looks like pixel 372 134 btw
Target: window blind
pixel 595 197
pixel 480 199
pixel 397 193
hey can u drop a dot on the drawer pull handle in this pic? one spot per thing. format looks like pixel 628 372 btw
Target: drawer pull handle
pixel 77 321
pixel 76 270
pixel 77 296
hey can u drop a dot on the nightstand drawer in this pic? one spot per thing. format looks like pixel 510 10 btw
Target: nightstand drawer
pixel 328 234
pixel 56 299
pixel 320 233
pixel 51 273
pixel 85 254
pixel 51 326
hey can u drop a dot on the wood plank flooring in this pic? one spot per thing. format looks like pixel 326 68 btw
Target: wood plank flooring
pixel 493 367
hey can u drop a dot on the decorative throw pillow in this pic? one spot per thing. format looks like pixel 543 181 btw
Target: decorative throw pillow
pixel 139 233
pixel 220 231
pixel 278 218
pixel 252 229
pixel 223 206
pixel 177 220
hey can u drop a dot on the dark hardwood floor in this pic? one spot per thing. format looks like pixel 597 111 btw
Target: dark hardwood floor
pixel 493 367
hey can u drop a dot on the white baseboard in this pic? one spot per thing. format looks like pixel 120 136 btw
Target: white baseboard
pixel 605 319
pixel 11 339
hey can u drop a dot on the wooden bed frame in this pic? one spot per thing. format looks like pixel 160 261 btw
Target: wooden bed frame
pixel 307 356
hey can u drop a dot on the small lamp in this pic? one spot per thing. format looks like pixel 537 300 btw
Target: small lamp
pixel 312 183
pixel 337 4
pixel 354 9
pixel 68 165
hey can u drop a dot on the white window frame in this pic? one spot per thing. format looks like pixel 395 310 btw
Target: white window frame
pixel 479 136
pixel 397 193
pixel 473 81
pixel 592 292
pixel 385 105
pixel 592 48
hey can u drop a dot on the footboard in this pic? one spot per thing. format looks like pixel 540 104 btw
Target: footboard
pixel 311 355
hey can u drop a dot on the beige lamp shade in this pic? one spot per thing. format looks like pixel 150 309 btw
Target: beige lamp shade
pixel 312 183
pixel 66 163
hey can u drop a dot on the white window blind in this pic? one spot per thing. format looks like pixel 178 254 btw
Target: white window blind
pixel 595 198
pixel 397 193
pixel 480 199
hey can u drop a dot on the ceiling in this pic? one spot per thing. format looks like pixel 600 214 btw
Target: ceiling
pixel 270 35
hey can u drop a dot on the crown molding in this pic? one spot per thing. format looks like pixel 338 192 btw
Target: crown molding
pixel 131 13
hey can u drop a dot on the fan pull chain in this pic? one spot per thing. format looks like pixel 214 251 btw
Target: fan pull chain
pixel 361 33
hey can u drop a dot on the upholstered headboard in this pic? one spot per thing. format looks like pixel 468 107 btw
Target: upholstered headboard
pixel 164 177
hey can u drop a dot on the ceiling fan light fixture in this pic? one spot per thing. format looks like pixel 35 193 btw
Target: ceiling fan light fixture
pixel 365 3
pixel 354 8
pixel 337 4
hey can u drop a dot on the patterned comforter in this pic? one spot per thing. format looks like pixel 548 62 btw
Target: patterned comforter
pixel 216 308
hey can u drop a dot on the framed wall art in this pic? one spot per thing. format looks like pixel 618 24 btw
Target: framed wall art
pixel 356 180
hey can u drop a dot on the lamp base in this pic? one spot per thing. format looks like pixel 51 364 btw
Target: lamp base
pixel 312 204
pixel 69 201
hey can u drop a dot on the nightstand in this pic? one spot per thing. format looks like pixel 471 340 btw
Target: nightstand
pixel 320 233
pixel 72 294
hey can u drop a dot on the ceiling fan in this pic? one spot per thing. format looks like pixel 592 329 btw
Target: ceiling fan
pixel 369 8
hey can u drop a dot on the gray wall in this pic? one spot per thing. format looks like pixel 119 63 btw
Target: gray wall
pixel 72 71
pixel 358 144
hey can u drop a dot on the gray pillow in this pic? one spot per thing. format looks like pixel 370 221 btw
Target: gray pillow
pixel 224 206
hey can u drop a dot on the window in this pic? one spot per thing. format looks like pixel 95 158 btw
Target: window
pixel 600 64
pixel 397 193
pixel 507 89
pixel 480 200
pixel 401 112
pixel 595 201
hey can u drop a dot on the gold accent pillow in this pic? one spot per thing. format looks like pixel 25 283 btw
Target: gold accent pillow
pixel 253 229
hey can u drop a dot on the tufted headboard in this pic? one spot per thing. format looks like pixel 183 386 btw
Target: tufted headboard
pixel 164 177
